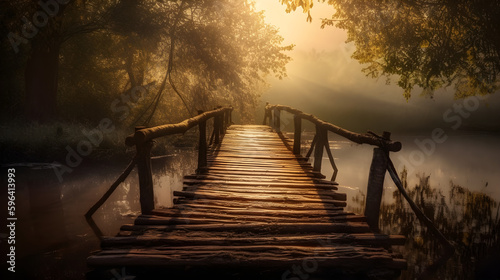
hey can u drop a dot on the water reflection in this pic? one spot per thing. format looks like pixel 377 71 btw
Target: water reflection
pixel 457 186
pixel 468 159
pixel 53 237
pixel 469 220
pixel 168 173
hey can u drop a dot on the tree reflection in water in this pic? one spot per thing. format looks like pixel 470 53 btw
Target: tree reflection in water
pixel 470 221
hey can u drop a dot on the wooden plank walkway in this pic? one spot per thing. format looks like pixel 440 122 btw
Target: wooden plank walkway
pixel 258 208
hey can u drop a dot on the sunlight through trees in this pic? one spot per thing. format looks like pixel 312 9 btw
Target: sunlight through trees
pixel 194 55
pixel 425 44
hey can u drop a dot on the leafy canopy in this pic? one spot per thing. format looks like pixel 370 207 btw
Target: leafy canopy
pixel 426 43
pixel 192 54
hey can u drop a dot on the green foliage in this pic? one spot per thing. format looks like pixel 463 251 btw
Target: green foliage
pixel 203 53
pixel 426 44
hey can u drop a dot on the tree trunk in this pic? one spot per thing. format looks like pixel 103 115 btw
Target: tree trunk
pixel 41 77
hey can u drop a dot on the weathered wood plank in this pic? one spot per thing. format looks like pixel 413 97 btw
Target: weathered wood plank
pixel 260 184
pixel 279 257
pixel 274 190
pixel 255 206
pixel 221 218
pixel 210 238
pixel 262 206
pixel 260 179
pixel 262 227
pixel 264 170
pixel 254 178
pixel 220 195
pixel 251 173
pixel 183 210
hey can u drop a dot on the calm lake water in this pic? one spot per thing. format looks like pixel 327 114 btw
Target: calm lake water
pixel 53 238
pixel 471 160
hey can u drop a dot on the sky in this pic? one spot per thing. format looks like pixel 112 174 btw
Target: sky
pixel 324 80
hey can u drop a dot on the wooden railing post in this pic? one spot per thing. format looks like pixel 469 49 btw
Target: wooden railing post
pixel 202 147
pixel 376 185
pixel 271 118
pixel 145 175
pixel 267 115
pixel 222 126
pixel 277 120
pixel 217 129
pixel 318 149
pixel 297 122
pixel 222 121
pixel 227 117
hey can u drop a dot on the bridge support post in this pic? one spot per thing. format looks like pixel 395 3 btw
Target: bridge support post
pixel 227 119
pixel 222 121
pixel 277 120
pixel 222 126
pixel 297 123
pixel 202 147
pixel 267 115
pixel 376 185
pixel 217 129
pixel 145 175
pixel 321 139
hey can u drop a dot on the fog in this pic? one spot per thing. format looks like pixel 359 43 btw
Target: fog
pixel 324 80
pixel 332 86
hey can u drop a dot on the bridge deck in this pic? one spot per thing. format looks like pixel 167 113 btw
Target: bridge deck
pixel 260 208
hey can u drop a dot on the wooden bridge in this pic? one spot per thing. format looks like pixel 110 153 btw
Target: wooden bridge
pixel 254 208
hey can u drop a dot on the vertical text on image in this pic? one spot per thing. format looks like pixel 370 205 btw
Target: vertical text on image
pixel 11 219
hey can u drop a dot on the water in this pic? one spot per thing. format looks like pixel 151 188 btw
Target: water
pixel 53 238
pixel 471 160
pixel 455 183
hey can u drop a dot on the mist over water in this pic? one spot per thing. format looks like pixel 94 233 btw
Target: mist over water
pixel 331 86
pixel 447 145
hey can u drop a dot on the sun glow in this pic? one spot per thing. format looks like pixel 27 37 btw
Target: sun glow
pixel 296 30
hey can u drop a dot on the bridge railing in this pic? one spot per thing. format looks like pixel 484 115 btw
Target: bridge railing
pixel 143 138
pixel 381 163
pixel 320 143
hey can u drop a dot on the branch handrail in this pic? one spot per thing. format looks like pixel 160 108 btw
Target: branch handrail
pixel 320 143
pixel 381 163
pixel 353 136
pixel 143 141
pixel 147 134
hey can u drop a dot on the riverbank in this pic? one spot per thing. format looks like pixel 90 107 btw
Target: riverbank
pixel 58 142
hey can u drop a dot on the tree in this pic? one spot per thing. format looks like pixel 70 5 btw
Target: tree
pixel 36 32
pixel 200 54
pixel 426 43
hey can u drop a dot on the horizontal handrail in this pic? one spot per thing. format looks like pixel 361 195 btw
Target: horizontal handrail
pixel 381 163
pixel 147 134
pixel 353 136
